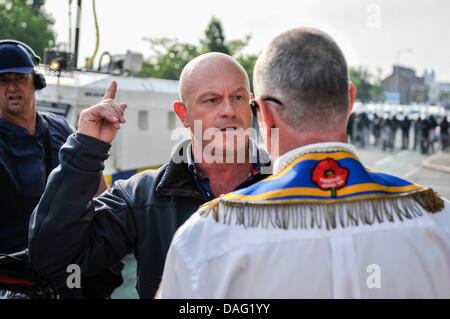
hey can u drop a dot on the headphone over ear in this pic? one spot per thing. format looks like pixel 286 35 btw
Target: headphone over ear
pixel 38 78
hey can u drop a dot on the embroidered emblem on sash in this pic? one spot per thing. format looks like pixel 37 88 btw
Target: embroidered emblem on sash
pixel 328 174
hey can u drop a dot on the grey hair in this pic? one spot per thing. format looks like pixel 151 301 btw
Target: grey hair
pixel 305 69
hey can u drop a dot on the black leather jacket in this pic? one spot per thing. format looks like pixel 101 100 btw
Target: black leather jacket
pixel 138 215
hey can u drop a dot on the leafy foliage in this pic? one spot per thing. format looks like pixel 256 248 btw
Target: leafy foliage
pixel 367 88
pixel 25 20
pixel 215 39
pixel 170 56
pixel 248 63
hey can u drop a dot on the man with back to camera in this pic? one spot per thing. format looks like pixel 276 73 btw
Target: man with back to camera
pixel 29 143
pixel 323 226
pixel 141 214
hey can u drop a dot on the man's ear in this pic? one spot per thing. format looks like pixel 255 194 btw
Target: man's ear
pixel 352 96
pixel 180 109
pixel 267 116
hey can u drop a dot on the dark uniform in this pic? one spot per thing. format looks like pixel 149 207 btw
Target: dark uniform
pixel 23 173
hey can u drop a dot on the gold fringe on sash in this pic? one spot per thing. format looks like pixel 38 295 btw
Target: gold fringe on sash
pixel 429 200
pixel 347 212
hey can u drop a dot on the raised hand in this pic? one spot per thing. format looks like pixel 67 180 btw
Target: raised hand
pixel 102 121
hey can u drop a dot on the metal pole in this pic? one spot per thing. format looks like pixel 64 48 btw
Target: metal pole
pixel 396 72
pixel 396 78
pixel 57 87
pixel 70 26
pixel 77 34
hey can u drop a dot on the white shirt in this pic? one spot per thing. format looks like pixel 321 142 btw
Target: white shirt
pixel 400 259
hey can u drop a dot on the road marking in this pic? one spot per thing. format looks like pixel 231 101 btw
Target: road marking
pixel 383 160
pixel 388 158
pixel 412 172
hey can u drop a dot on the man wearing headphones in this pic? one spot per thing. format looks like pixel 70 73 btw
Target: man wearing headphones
pixel 29 143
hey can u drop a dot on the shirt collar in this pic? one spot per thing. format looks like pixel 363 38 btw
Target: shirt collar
pixel 286 156
pixel 190 160
pixel 256 168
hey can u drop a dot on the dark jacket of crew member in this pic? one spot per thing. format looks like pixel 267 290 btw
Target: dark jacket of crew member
pixel 138 215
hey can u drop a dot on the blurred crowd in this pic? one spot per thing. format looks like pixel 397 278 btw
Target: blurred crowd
pixel 429 132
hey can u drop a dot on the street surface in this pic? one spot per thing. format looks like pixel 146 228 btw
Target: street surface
pixel 406 164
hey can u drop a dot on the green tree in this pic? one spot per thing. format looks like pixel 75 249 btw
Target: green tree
pixel 235 46
pixel 36 7
pixel 27 23
pixel 170 56
pixel 426 93
pixel 215 38
pixel 443 96
pixel 414 97
pixel 377 88
pixel 361 79
pixel 248 63
pixel 215 41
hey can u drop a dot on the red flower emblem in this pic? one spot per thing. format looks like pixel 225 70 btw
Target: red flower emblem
pixel 328 174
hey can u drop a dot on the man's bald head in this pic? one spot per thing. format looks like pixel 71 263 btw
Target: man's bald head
pixel 214 104
pixel 211 63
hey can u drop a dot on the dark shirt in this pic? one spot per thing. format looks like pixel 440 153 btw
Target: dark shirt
pixel 23 174
pixel 203 181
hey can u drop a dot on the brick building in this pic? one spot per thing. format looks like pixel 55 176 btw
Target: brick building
pixel 406 83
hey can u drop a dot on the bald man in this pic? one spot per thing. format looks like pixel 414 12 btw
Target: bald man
pixel 141 214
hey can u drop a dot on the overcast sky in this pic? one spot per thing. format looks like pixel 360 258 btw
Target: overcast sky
pixel 374 33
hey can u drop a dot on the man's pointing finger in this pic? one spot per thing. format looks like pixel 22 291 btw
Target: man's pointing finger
pixel 111 91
